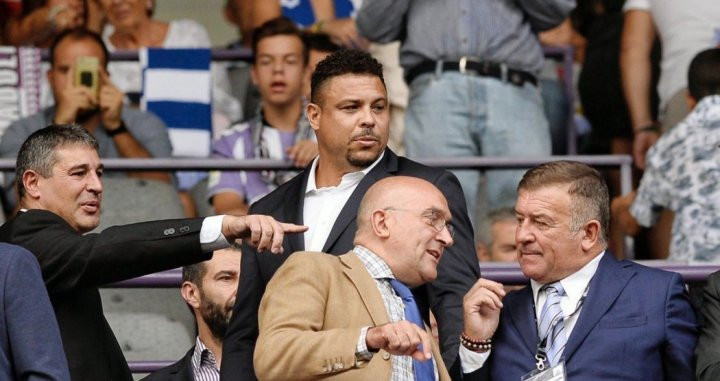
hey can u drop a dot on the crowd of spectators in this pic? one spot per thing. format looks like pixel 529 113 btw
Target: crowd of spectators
pixel 462 79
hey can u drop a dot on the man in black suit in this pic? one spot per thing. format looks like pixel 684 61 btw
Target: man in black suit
pixel 58 172
pixel 349 113
pixel 209 290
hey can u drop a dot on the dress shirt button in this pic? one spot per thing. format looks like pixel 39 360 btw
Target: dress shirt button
pixel 386 356
pixel 169 231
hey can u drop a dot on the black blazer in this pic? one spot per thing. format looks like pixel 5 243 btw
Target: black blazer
pixel 457 271
pixel 179 371
pixel 74 265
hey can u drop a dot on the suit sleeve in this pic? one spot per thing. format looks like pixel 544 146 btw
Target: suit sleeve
pixel 37 351
pixel 292 338
pixel 681 333
pixel 708 348
pixel 69 260
pixel 242 331
pixel 457 272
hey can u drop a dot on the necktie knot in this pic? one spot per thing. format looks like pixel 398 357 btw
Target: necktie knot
pixel 554 289
pixel 402 290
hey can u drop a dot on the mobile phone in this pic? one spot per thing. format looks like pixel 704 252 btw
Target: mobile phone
pixel 87 72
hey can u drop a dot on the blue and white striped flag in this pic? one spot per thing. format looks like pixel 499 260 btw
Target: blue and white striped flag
pixel 177 87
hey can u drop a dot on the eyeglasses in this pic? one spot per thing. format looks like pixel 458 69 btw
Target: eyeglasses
pixel 432 218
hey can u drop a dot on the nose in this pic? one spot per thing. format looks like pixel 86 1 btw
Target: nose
pixel 367 119
pixel 523 235
pixel 277 66
pixel 445 238
pixel 94 184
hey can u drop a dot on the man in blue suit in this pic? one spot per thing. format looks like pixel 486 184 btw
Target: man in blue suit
pixel 600 318
pixel 30 346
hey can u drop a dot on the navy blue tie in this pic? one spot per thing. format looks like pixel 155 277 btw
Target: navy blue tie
pixel 423 370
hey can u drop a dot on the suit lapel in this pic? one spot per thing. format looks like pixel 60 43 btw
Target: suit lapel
pixel 606 285
pixel 295 198
pixel 348 214
pixel 522 316
pixel 366 287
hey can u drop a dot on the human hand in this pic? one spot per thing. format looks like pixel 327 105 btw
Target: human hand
pixel 110 101
pixel 620 214
pixel 344 32
pixel 71 100
pixel 303 152
pixel 262 232
pixel 481 309
pixel 641 144
pixel 401 338
pixel 66 14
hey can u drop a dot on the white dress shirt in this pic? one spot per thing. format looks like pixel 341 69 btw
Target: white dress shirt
pixel 574 286
pixel 322 206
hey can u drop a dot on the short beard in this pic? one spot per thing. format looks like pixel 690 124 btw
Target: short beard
pixel 216 317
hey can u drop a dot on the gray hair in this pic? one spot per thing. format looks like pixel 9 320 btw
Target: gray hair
pixel 588 191
pixel 38 152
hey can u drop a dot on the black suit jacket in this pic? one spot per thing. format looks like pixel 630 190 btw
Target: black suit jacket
pixel 179 371
pixel 74 265
pixel 457 272
pixel 708 347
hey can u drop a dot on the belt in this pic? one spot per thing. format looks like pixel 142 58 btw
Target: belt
pixel 479 68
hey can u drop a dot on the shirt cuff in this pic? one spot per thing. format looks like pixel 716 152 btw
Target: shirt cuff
pixel 211 237
pixel 361 350
pixel 472 361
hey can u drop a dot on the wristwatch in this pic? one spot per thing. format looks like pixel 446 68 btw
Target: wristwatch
pixel 117 131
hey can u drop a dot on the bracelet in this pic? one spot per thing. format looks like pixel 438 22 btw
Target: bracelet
pixel 478 346
pixel 117 131
pixel 649 128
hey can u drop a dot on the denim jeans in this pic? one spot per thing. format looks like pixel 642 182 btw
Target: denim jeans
pixel 452 114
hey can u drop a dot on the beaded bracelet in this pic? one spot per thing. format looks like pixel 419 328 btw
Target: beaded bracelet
pixel 475 345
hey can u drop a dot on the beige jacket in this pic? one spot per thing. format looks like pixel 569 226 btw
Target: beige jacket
pixel 310 319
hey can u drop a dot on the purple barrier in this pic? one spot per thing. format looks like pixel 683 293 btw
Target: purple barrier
pixel 508 273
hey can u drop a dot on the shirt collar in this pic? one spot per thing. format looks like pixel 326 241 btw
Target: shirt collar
pixel 348 177
pixel 375 265
pixel 202 356
pixel 574 284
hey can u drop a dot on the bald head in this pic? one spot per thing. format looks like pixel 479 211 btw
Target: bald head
pixel 404 220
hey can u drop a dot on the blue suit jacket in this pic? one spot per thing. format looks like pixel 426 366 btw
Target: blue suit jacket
pixel 636 324
pixel 30 346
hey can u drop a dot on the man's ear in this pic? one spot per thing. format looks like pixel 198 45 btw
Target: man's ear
pixel 253 74
pixel 30 180
pixel 482 252
pixel 591 234
pixel 191 294
pixel 378 220
pixel 313 112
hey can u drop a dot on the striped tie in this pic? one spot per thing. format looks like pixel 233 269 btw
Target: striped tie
pixel 552 324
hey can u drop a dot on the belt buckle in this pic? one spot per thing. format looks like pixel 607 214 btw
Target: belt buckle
pixel 463 65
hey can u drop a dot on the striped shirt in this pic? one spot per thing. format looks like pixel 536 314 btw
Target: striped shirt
pixel 402 366
pixel 203 363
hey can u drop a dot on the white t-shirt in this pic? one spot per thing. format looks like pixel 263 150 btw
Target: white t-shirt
pixel 686 27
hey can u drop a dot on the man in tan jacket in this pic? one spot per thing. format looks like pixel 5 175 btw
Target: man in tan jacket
pixel 348 316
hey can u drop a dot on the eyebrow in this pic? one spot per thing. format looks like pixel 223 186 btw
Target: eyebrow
pixel 226 272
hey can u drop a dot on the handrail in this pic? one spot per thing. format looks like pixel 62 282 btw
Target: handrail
pixel 484 162
pixel 506 273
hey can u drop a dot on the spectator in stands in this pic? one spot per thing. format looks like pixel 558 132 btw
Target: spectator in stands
pixel 708 348
pixel 349 113
pixel 319 46
pixel 30 346
pixel 132 27
pixel 615 320
pixel 326 315
pixel 681 172
pixel 472 70
pixel 279 130
pixel 58 171
pixel 685 28
pixel 499 244
pixel 120 131
pixel 209 290
pixel 37 22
